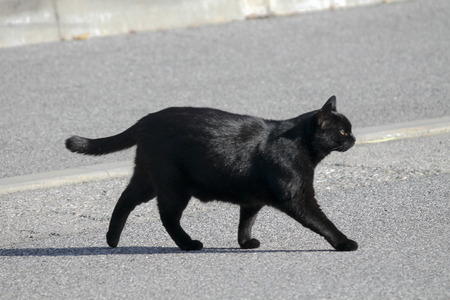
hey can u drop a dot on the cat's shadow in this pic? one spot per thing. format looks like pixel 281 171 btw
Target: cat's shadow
pixel 94 251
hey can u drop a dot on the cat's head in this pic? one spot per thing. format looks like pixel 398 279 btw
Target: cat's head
pixel 333 130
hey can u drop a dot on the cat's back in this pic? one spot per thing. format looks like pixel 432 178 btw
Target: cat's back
pixel 188 133
pixel 202 122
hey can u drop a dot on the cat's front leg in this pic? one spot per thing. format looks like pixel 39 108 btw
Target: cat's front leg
pixel 311 216
pixel 246 221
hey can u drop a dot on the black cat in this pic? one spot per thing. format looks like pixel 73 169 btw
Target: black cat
pixel 216 155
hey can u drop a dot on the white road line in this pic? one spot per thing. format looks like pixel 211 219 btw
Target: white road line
pixel 376 134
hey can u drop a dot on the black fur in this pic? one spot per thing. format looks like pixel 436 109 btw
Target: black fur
pixel 215 155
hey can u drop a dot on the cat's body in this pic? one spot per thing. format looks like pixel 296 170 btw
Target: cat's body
pixel 214 155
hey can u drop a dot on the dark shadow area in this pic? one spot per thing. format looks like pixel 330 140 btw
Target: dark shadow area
pixel 88 251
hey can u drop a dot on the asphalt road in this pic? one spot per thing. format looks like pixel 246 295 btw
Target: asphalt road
pixel 386 64
pixel 52 242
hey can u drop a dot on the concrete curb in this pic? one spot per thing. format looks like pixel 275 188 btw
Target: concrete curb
pixel 65 177
pixel 35 21
pixel 384 133
pixel 122 169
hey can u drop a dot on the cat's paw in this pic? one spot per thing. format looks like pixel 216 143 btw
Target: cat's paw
pixel 250 244
pixel 192 246
pixel 112 240
pixel 347 245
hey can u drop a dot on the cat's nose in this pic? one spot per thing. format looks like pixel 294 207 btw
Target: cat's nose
pixel 352 137
pixel 350 142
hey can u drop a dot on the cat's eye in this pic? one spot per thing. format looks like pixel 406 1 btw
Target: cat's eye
pixel 342 131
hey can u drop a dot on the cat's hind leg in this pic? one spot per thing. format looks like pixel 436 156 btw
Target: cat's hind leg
pixel 246 221
pixel 139 190
pixel 171 206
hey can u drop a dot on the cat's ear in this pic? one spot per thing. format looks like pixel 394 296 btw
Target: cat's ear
pixel 323 115
pixel 330 105
pixel 322 118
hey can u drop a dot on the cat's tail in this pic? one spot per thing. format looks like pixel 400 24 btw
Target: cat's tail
pixel 104 145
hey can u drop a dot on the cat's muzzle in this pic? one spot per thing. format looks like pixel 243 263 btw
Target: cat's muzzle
pixel 348 144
